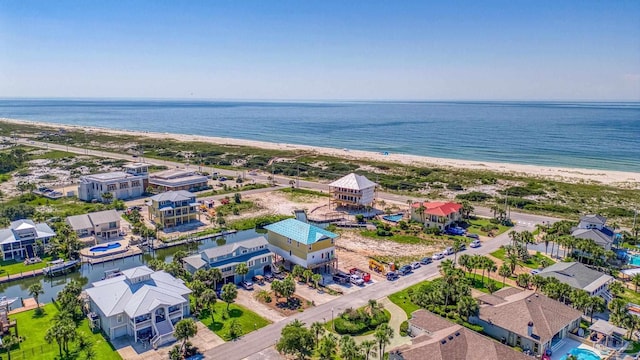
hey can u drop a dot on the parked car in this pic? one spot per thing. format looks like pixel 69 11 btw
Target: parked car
pixel 475 244
pixel 340 278
pixel 392 275
pixel 258 279
pixel 455 231
pixel 222 178
pixel 405 270
pixel 415 265
pixel 268 277
pixel 438 256
pixel 356 280
pixel 535 272
pixel 463 247
pixel 248 285
pixel 426 261
pixel 448 250
pixel 473 236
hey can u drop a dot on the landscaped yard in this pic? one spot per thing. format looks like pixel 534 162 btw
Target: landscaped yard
pixel 10 267
pixel 630 296
pixel 248 320
pixel 402 298
pixel 33 328
pixel 478 284
pixel 476 225
pixel 534 261
pixel 342 326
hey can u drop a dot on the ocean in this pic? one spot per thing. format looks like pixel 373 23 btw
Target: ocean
pixel 594 135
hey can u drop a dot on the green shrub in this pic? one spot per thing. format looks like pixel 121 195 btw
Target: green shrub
pixel 474 196
pixel 404 328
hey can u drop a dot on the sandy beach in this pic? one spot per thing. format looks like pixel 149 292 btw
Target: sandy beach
pixel 609 177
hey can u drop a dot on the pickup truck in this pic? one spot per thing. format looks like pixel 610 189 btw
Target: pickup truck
pixel 356 280
pixel 365 276
pixel 340 278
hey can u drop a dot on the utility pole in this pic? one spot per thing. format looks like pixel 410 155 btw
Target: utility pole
pixel 298 178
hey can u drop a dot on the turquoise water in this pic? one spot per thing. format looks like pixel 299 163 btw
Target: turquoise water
pixel 583 354
pixel 571 134
pixel 634 260
pixel 103 248
pixel 394 218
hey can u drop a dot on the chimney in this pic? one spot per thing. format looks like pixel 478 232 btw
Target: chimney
pixel 530 328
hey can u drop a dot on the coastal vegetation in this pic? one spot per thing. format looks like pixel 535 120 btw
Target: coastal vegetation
pixel 361 321
pixel 520 191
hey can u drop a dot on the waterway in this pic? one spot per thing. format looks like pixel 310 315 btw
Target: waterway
pixel 89 274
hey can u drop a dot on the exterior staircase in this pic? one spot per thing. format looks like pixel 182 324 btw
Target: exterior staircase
pixel 164 334
pixel 606 295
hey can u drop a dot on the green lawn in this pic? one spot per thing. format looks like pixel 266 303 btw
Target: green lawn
pixel 401 298
pixel 478 284
pixel 475 226
pixel 10 267
pixel 249 320
pixel 630 296
pixel 33 328
pixel 532 263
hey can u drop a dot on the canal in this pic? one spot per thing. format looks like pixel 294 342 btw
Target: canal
pixel 88 274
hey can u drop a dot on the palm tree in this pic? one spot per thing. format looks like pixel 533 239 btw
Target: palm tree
pixel 327 347
pixel 504 271
pixel 446 266
pixel 208 299
pixel 512 261
pixel 538 281
pixel 8 342
pixel 616 288
pixel 467 208
pixel 316 278
pixel 523 280
pixel 348 348
pixel 36 290
pixel 420 211
pixel 457 245
pixel 185 329
pixel 317 328
pixel 369 348
pixel 465 261
pixel 595 304
pixel 307 274
pixel 242 269
pixel 214 275
pixel 467 306
pixel 383 336
pixel 636 281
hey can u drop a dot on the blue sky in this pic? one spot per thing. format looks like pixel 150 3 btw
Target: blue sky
pixel 414 50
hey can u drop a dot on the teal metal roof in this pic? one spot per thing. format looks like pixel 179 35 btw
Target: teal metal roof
pixel 300 231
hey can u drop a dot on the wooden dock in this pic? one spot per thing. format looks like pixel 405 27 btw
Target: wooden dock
pixel 22 275
pixel 133 251
pixel 157 244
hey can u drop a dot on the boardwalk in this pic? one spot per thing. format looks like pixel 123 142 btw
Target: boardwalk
pixel 22 275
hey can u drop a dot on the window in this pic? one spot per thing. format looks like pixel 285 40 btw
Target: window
pixel 250 263
pixel 288 241
pixel 124 185
pixel 119 318
pixel 135 183
pixel 332 241
pixel 111 187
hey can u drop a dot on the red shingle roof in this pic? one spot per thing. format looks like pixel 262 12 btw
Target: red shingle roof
pixel 439 208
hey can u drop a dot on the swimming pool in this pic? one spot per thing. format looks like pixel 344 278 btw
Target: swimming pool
pixel 583 354
pixel 634 260
pixel 103 248
pixel 393 218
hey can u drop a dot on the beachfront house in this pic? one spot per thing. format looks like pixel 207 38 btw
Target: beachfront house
pixel 177 179
pixel 594 227
pixel 526 319
pixel 352 190
pixel 19 239
pixel 436 214
pixel 578 276
pixel 434 337
pixel 173 208
pixel 102 224
pixel 141 303
pixel 122 185
pixel 253 252
pixel 300 243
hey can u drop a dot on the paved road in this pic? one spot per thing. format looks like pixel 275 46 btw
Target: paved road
pixel 259 340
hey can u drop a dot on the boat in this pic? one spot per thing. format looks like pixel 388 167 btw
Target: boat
pixel 112 273
pixel 59 267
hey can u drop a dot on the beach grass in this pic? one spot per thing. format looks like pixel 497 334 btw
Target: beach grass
pixel 567 199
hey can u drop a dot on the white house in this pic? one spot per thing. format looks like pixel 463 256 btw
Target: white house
pixel 142 303
pixel 104 224
pixel 121 184
pixel 20 237
pixel 594 227
pixel 353 190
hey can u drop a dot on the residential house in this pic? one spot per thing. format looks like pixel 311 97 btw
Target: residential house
pixel 303 244
pixel 434 337
pixel 142 304
pixel 253 252
pixel 177 179
pixel 526 319
pixel 579 276
pixel 436 214
pixel 19 239
pixel 352 190
pixel 122 185
pixel 173 208
pixel 594 227
pixel 103 224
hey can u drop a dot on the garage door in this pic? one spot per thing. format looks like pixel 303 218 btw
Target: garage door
pixel 121 331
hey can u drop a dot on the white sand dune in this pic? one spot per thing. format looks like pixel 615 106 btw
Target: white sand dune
pixel 609 177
